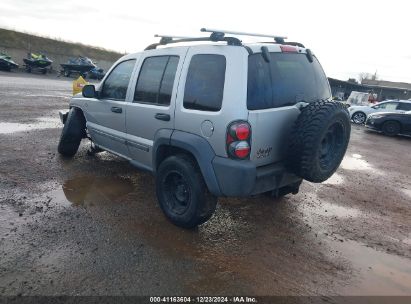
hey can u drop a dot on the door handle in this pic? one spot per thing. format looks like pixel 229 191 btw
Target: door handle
pixel 116 110
pixel 162 116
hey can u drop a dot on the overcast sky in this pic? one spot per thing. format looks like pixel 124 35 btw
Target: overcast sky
pixel 349 37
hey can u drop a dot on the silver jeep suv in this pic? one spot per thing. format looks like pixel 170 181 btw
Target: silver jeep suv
pixel 214 119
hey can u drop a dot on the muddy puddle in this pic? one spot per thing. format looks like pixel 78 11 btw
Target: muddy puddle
pixel 231 242
pixel 374 272
pixel 92 191
pixel 40 123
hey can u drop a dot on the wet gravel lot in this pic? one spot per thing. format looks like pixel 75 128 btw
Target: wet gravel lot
pixel 91 225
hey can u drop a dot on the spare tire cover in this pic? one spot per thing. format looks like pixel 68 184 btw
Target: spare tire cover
pixel 318 140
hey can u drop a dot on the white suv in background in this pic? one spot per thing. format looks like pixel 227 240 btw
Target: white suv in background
pixel 359 114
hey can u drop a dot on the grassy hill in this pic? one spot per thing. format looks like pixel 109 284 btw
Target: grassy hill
pixel 12 40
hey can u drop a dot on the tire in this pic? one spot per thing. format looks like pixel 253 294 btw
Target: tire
pixel 391 128
pixel 67 73
pixel 359 118
pixel 319 139
pixel 73 132
pixel 182 193
pixel 44 71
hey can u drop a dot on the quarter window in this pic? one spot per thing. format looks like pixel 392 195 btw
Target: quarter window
pixel 205 83
pixel 404 106
pixel 156 80
pixel 116 84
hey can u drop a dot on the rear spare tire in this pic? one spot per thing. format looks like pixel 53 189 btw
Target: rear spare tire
pixel 319 139
pixel 73 131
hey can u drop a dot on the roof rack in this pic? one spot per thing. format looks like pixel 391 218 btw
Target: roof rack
pixel 217 36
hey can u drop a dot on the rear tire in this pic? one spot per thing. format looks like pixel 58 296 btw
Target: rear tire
pixel 182 193
pixel 73 132
pixel 391 128
pixel 319 140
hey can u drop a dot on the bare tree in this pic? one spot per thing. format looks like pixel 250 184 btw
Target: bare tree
pixel 367 76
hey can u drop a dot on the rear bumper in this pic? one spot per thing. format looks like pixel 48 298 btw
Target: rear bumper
pixel 243 178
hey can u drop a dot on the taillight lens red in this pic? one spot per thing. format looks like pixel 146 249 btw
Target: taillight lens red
pixel 242 131
pixel 238 140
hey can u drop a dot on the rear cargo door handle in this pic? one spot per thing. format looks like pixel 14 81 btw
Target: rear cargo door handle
pixel 116 110
pixel 162 116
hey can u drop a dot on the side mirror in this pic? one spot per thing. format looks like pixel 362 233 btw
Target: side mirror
pixel 89 91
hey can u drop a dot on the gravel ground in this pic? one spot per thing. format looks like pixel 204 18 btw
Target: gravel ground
pixel 91 225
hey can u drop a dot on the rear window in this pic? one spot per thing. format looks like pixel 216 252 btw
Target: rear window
pixel 287 79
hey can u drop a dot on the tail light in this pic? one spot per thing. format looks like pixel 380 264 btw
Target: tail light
pixel 288 49
pixel 238 140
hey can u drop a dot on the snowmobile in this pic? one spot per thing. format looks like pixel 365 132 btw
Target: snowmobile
pixel 34 61
pixel 80 65
pixel 6 63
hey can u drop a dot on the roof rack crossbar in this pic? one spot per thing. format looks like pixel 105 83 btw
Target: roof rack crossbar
pixel 215 37
pixel 242 33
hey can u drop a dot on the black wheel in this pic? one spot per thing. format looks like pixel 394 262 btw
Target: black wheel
pixel 359 118
pixel 67 73
pixel 73 131
pixel 182 193
pixel 44 71
pixel 319 140
pixel 391 128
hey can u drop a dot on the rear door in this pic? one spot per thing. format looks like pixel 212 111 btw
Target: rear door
pixel 153 101
pixel 106 115
pixel 274 88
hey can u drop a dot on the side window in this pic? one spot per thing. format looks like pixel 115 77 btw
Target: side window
pixel 116 84
pixel 404 106
pixel 205 83
pixel 391 106
pixel 156 80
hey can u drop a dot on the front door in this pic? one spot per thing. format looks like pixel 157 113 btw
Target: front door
pixel 106 123
pixel 153 101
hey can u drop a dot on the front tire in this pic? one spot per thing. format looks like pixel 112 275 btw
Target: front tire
pixel 391 128
pixel 73 132
pixel 359 118
pixel 182 193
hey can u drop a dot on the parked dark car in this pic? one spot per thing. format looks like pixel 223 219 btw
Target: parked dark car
pixel 390 124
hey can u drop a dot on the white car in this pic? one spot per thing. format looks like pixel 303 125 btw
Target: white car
pixel 359 114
